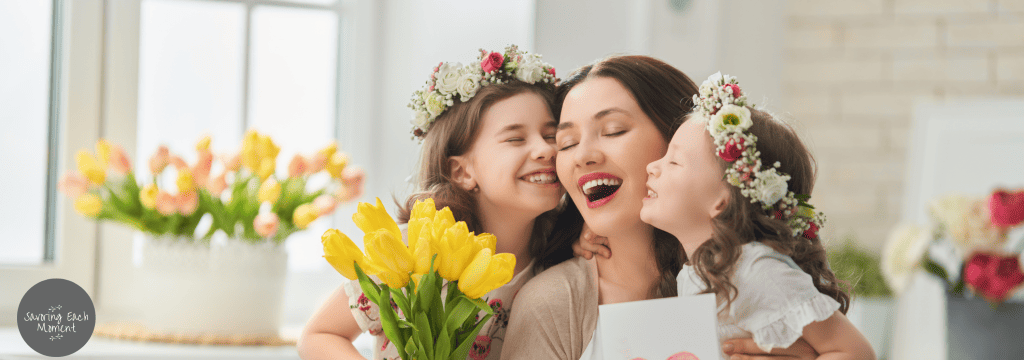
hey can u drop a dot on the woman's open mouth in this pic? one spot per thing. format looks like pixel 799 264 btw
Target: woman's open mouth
pixel 599 188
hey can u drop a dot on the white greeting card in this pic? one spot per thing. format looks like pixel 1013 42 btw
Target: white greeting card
pixel 677 328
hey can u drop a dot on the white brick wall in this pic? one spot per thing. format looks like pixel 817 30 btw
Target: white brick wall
pixel 852 73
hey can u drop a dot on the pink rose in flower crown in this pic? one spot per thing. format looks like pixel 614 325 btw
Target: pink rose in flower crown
pixel 812 232
pixel 732 150
pixel 551 71
pixel 492 62
pixel 735 89
pixel 1006 209
pixel 993 276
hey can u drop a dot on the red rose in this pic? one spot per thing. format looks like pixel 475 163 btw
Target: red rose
pixel 732 150
pixel 734 88
pixel 993 276
pixel 1007 209
pixel 811 233
pixel 492 62
pixel 551 71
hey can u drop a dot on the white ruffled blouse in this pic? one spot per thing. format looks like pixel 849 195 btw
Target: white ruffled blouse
pixel 775 299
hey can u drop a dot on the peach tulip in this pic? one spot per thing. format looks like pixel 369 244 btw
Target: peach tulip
pixel 73 185
pixel 317 163
pixel 119 160
pixel 297 167
pixel 188 202
pixel 324 204
pixel 216 185
pixel 265 224
pixel 158 162
pixel 178 162
pixel 232 162
pixel 166 204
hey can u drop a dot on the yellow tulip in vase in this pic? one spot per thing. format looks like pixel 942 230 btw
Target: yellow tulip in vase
pixel 416 318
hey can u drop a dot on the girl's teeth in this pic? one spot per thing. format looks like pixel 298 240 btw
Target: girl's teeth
pixel 542 179
pixel 651 194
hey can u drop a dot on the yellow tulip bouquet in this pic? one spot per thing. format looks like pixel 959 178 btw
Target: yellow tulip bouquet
pixel 245 199
pixel 442 255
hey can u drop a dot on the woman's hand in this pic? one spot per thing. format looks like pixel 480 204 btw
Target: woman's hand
pixel 590 243
pixel 746 349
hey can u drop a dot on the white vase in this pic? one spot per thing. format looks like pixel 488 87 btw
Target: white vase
pixel 226 288
pixel 874 317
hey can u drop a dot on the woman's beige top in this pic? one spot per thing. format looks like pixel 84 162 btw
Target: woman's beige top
pixel 555 314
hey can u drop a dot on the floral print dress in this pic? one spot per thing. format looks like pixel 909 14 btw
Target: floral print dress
pixel 488 341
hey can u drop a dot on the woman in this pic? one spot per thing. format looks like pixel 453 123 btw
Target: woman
pixel 615 117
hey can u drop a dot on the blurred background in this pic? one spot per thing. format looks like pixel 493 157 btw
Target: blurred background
pixel 858 80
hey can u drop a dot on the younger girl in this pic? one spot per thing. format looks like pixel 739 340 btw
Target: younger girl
pixel 732 188
pixel 488 133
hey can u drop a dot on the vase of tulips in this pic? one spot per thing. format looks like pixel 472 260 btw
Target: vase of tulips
pixel 974 245
pixel 434 279
pixel 188 282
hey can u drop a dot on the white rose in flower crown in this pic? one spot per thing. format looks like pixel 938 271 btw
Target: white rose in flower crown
pixel 421 120
pixel 730 117
pixel 531 70
pixel 772 187
pixel 469 83
pixel 434 103
pixel 447 78
pixel 903 252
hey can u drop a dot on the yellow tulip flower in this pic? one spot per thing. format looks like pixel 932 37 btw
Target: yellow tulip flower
pixel 303 215
pixel 342 254
pixel 248 154
pixel 422 213
pixel 423 252
pixel 88 204
pixel 329 150
pixel 203 145
pixel 424 209
pixel 266 149
pixel 391 257
pixel 336 164
pixel 270 191
pixel 487 241
pixel 89 167
pixel 148 196
pixel 185 182
pixel 267 167
pixel 455 250
pixel 103 151
pixel 443 219
pixel 486 272
pixel 371 218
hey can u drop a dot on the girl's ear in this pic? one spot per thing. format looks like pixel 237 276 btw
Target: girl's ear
pixel 721 201
pixel 462 172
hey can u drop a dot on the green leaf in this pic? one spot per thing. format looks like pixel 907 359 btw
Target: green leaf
pixel 389 320
pixel 400 300
pixel 936 269
pixel 481 304
pixel 443 347
pixel 463 349
pixel 370 288
pixel 463 310
pixel 402 323
pixel 802 197
pixel 424 336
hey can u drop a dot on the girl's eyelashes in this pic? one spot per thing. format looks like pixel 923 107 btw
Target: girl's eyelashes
pixel 566 147
pixel 515 139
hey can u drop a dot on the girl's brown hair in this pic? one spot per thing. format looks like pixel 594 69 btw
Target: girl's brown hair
pixel 665 95
pixel 742 222
pixel 453 134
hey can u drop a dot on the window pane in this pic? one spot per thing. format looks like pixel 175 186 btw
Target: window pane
pixel 292 91
pixel 190 76
pixel 25 41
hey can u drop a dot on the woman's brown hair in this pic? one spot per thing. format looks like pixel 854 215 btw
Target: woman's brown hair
pixel 743 222
pixel 453 134
pixel 665 95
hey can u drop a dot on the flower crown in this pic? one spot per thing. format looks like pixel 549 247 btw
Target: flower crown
pixel 725 105
pixel 449 80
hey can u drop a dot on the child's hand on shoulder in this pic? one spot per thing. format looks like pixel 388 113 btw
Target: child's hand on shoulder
pixel 590 244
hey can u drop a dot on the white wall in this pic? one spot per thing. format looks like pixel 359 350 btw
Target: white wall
pixel 738 37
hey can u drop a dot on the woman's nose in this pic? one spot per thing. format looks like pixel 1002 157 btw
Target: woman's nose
pixel 587 154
